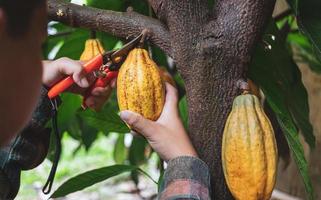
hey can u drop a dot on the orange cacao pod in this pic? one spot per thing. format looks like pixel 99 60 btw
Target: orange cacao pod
pixel 93 47
pixel 249 152
pixel 139 85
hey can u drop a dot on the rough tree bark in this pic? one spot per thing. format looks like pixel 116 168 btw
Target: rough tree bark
pixel 211 48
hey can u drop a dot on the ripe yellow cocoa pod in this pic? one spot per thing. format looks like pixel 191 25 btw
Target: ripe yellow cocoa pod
pixel 140 87
pixel 249 152
pixel 93 47
pixel 166 76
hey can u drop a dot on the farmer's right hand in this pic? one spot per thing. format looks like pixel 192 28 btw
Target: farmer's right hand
pixel 54 71
pixel 167 135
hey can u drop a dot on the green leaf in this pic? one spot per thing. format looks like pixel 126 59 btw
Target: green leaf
pixel 90 178
pixel 309 20
pixel 108 41
pixel 106 120
pixel 136 154
pixel 120 152
pixel 160 182
pixel 117 5
pixel 159 57
pixel 74 44
pixel 279 78
pixel 183 111
pixel 294 5
pixel 304 51
pixel 88 133
pixel 67 110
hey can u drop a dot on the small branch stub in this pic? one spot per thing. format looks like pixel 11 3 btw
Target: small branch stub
pixel 244 86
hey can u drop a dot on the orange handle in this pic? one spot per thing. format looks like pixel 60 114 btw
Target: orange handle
pixel 90 66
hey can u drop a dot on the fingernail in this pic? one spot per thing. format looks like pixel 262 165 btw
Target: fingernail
pixel 113 83
pixel 84 82
pixel 124 115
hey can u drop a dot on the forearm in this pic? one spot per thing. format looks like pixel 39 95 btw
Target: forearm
pixel 186 177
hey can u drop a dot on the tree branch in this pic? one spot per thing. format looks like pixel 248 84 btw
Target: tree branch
pixel 124 25
pixel 212 51
pixel 185 21
pixel 159 9
pixel 242 23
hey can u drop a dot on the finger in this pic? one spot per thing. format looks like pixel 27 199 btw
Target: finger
pixel 171 99
pixel 74 68
pixel 113 83
pixel 100 91
pixel 91 78
pixel 96 103
pixel 80 79
pixel 138 123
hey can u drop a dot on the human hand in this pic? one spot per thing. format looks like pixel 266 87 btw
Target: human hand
pixel 53 71
pixel 167 135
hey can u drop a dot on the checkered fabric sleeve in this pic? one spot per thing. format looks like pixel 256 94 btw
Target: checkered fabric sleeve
pixel 186 177
pixel 27 150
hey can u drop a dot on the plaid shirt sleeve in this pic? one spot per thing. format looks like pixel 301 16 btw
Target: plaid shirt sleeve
pixel 27 150
pixel 186 177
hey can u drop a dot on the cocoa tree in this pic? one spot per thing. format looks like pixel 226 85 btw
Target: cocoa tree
pixel 212 47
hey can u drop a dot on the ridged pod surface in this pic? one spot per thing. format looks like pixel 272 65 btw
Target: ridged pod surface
pixel 139 85
pixel 93 47
pixel 249 152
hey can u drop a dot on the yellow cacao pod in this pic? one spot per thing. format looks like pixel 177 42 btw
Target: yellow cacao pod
pixel 249 152
pixel 93 47
pixel 166 76
pixel 139 85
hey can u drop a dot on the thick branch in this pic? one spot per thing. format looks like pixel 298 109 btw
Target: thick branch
pixel 227 43
pixel 212 51
pixel 158 7
pixel 124 25
pixel 185 20
pixel 241 23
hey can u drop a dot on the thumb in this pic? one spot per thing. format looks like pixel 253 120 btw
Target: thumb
pixel 137 122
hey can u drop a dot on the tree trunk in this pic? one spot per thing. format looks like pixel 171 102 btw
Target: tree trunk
pixel 211 48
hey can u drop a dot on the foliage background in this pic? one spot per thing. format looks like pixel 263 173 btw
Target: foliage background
pixel 93 140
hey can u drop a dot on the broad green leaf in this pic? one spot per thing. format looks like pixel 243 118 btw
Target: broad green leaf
pixel 56 29
pixel 117 5
pixel 159 57
pixel 136 154
pixel 67 110
pixel 49 45
pixel 79 130
pixel 106 120
pixel 160 182
pixel 74 44
pixel 120 151
pixel 211 3
pixel 278 76
pixel 183 111
pixel 294 4
pixel 304 52
pixel 309 20
pixel 107 40
pixel 88 133
pixel 92 177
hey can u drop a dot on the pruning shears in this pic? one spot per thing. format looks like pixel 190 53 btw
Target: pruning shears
pixel 104 66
